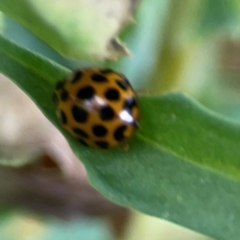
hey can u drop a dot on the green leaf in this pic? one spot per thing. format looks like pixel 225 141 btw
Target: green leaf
pixel 82 29
pixel 183 164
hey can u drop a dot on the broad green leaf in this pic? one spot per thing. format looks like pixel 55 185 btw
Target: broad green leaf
pixel 1 22
pixel 183 164
pixel 77 29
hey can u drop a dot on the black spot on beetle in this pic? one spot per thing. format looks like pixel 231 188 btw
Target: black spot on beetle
pixel 106 113
pixel 112 94
pixel 60 85
pixel 99 78
pixel 64 95
pixel 77 75
pixel 86 93
pixel 102 144
pixel 119 133
pixel 99 130
pixel 80 132
pixel 79 114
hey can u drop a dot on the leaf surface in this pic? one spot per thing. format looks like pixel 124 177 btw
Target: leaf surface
pixel 183 164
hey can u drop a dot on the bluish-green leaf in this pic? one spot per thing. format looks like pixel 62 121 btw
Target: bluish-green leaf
pixel 183 164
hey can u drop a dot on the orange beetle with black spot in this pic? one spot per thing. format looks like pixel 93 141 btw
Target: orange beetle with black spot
pixel 97 106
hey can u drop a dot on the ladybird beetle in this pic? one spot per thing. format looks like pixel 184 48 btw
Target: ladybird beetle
pixel 97 106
